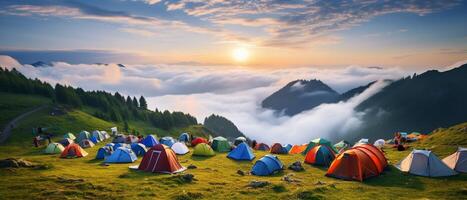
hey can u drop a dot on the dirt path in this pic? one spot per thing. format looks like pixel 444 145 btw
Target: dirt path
pixel 12 124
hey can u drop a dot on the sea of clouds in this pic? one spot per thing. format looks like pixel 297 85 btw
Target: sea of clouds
pixel 233 92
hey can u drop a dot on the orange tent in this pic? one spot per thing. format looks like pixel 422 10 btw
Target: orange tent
pixel 73 150
pixel 320 155
pixel 358 163
pixel 296 149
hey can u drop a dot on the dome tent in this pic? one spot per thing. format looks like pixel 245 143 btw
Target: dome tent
pixel 161 159
pixel 83 135
pixel 98 136
pixel 198 140
pixel 203 149
pixel 457 161
pixel 288 147
pixel 424 163
pixel 362 141
pixel 358 163
pixel 117 145
pixel 241 152
pixel 239 140
pixel 103 152
pixel 341 145
pixel 86 143
pixel 267 165
pixel 167 141
pixel 180 148
pixel 139 149
pixel 69 136
pixel 220 144
pixel 296 149
pixel 277 148
pixel 184 137
pixel 320 155
pixel 54 148
pixel 318 141
pixel 73 151
pixel 379 143
pixel 150 141
pixel 262 147
pixel 119 139
pixel 121 155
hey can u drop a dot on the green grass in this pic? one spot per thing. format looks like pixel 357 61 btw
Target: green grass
pixel 12 105
pixel 216 177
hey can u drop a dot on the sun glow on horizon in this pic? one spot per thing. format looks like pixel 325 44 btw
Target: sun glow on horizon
pixel 240 54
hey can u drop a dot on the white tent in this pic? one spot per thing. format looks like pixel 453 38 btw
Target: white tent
pixel 180 148
pixel 114 131
pixel 106 135
pixel 379 143
pixel 98 135
pixel 424 163
pixel 457 161
pixel 362 141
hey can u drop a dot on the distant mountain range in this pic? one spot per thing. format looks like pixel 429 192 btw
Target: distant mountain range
pixel 420 103
pixel 44 64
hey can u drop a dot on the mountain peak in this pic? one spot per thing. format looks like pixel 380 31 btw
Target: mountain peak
pixel 41 64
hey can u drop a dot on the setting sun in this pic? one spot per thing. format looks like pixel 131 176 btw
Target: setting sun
pixel 240 54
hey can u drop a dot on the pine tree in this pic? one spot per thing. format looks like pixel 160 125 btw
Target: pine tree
pixel 142 103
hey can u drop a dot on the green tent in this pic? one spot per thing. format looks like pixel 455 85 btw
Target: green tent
pixel 203 149
pixel 220 144
pixel 54 148
pixel 319 141
pixel 69 136
pixel 341 145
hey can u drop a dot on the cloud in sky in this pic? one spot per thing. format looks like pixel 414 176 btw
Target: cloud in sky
pixel 292 23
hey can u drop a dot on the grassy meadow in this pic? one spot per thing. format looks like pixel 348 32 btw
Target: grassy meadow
pixel 215 177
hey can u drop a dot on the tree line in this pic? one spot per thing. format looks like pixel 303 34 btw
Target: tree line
pixel 112 107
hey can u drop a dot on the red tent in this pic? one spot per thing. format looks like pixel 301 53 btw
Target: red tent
pixel 162 159
pixel 358 163
pixel 277 148
pixel 73 150
pixel 262 147
pixel 198 140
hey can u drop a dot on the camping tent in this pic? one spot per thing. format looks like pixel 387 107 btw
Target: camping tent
pixel 105 134
pixel 362 141
pixel 119 139
pixel 86 143
pixel 103 152
pixel 318 141
pixel 203 149
pixel 98 135
pixel 457 161
pixel 220 144
pixel 262 147
pixel 73 150
pixel 358 163
pixel 424 163
pixel 267 165
pixel 83 135
pixel 150 141
pixel 296 149
pixel 180 148
pixel 277 148
pixel 288 147
pixel 198 140
pixel 379 143
pixel 162 159
pixel 320 155
pixel 241 152
pixel 139 149
pixel 132 139
pixel 167 141
pixel 121 155
pixel 117 145
pixel 66 141
pixel 341 145
pixel 54 148
pixel 239 140
pixel 184 137
pixel 110 144
pixel 69 136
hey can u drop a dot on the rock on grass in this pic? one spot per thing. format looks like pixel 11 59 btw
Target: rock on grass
pixel 15 163
pixel 258 184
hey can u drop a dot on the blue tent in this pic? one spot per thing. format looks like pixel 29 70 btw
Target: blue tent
pixel 267 165
pixel 94 140
pixel 121 155
pixel 184 137
pixel 150 141
pixel 110 144
pixel 167 141
pixel 103 152
pixel 139 149
pixel 241 152
pixel 288 147
pixel 117 145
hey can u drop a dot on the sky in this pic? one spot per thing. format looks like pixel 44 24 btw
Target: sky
pixel 267 34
